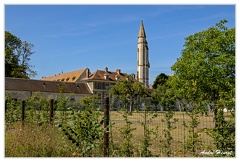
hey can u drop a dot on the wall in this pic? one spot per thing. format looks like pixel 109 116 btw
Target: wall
pixel 26 94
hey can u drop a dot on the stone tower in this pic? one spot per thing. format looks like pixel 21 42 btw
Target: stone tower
pixel 142 57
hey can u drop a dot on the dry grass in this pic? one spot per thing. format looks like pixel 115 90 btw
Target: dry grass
pixel 179 134
pixel 36 141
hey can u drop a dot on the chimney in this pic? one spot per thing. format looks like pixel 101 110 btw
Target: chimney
pixel 133 76
pixel 44 85
pixel 87 73
pixel 106 69
pixel 118 71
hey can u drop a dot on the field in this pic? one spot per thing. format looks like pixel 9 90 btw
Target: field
pixel 157 125
pixel 134 134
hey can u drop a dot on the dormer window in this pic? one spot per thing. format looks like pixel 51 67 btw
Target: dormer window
pixel 73 77
pixel 62 79
pixel 106 77
pixel 67 78
pixel 117 77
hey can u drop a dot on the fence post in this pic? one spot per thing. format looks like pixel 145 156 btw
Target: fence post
pixel 51 112
pixel 23 112
pixel 6 102
pixel 106 124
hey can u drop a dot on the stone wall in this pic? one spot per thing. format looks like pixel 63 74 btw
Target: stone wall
pixel 27 94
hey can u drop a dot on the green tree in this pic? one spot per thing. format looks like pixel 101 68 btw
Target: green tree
pixel 164 95
pixel 17 57
pixel 160 80
pixel 207 65
pixel 206 73
pixel 127 90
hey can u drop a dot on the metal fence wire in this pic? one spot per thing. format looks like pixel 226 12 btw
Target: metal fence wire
pixel 143 131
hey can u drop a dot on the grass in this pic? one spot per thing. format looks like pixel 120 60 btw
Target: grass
pixel 179 134
pixel 46 141
pixel 36 141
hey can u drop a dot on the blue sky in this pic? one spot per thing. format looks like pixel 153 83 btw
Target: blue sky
pixel 72 37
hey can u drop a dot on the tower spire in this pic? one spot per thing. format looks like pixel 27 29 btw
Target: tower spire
pixel 142 57
pixel 141 31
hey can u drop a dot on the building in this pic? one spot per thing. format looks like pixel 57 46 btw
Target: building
pixel 81 83
pixel 143 64
pixel 20 88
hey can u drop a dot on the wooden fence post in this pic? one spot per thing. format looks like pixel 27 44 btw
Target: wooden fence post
pixel 23 112
pixel 106 124
pixel 51 112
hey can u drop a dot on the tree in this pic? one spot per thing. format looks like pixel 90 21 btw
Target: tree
pixel 17 57
pixel 127 90
pixel 206 73
pixel 159 94
pixel 164 95
pixel 206 68
pixel 160 80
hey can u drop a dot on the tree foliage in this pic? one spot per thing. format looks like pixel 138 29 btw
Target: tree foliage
pixel 160 80
pixel 17 57
pixel 127 90
pixel 205 74
pixel 206 68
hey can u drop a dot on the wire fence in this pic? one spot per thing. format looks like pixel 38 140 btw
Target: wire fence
pixel 136 134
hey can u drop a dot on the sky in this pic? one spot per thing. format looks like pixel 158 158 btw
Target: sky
pixel 72 37
pixel 68 38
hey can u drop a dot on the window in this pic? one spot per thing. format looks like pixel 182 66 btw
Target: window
pixel 97 85
pixel 102 85
pixel 107 86
pixel 106 77
pixel 117 77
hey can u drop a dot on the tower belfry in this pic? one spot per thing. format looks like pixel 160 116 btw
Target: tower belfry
pixel 142 57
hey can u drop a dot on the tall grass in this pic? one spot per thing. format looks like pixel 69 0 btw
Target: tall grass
pixel 36 141
pixel 79 131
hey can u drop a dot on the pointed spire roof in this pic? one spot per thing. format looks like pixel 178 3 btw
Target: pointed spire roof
pixel 141 31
